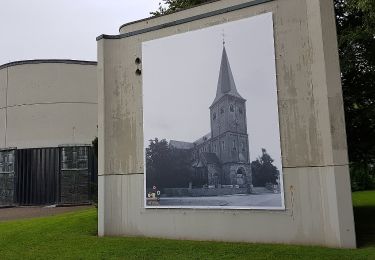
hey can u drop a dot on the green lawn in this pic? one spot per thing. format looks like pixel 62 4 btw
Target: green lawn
pixel 364 214
pixel 73 236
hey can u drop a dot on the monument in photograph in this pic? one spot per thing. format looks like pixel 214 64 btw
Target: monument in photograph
pixel 188 128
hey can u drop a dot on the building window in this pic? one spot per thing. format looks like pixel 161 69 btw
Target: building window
pixel 74 158
pixel 240 110
pixel 6 161
pixel 234 145
pixel 222 110
pixel 222 145
pixel 231 108
pixel 214 116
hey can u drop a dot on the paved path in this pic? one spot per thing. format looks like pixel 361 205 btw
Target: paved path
pixel 245 200
pixel 34 212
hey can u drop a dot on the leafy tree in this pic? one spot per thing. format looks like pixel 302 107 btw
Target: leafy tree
pixel 95 146
pixel 170 6
pixel 362 178
pixel 167 167
pixel 263 170
pixel 356 39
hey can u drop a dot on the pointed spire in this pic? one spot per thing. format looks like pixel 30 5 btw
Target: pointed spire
pixel 226 84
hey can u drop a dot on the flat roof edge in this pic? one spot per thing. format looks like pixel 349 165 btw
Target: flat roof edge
pixel 41 61
pixel 183 20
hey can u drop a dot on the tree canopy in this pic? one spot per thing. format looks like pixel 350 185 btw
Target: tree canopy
pixel 356 40
pixel 171 6
pixel 355 20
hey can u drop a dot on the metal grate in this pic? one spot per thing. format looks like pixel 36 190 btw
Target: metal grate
pixel 75 175
pixel 7 178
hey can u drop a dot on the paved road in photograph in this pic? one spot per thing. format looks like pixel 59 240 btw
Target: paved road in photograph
pixel 239 200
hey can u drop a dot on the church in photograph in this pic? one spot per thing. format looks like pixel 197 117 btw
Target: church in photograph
pixel 221 157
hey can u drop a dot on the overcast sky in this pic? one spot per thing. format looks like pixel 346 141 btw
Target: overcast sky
pixel 65 29
pixel 180 75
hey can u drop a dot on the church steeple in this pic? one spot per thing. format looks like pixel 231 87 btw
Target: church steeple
pixel 226 84
pixel 228 118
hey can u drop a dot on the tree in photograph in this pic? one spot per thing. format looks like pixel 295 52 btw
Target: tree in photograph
pixel 181 168
pixel 167 167
pixel 157 159
pixel 263 170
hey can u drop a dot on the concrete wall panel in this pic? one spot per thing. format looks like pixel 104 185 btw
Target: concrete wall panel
pixel 315 165
pixel 121 107
pixel 2 127
pixel 121 212
pixel 44 125
pixel 48 103
pixel 51 83
pixel 3 87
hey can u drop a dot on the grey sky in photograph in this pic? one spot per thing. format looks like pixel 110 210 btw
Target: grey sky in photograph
pixel 63 29
pixel 180 75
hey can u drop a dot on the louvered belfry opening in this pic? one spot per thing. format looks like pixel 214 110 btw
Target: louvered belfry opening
pixel 45 176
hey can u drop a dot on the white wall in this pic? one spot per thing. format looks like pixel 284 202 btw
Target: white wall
pixel 47 104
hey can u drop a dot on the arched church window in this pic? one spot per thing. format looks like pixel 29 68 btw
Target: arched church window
pixel 213 116
pixel 222 110
pixel 240 110
pixel 231 108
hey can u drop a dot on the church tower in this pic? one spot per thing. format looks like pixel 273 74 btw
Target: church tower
pixel 229 138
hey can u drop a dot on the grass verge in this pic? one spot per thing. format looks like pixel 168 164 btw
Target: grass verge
pixel 364 215
pixel 73 236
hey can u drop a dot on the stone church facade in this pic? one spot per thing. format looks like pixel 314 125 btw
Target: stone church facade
pixel 221 158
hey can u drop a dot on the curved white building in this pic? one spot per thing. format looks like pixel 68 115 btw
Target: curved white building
pixel 45 105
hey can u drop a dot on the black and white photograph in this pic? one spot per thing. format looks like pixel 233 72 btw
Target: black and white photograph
pixel 210 118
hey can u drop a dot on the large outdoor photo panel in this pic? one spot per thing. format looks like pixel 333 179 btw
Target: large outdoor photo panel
pixel 211 122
